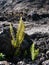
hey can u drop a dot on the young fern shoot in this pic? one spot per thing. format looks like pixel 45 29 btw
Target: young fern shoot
pixel 16 42
pixel 34 52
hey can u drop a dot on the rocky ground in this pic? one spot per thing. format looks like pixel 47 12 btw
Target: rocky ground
pixel 35 14
pixel 38 33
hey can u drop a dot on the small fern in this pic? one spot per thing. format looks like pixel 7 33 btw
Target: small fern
pixel 34 52
pixel 13 41
pixel 19 35
pixel 16 42
pixel 20 32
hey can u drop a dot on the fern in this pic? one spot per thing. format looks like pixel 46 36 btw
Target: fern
pixel 19 35
pixel 13 41
pixel 20 32
pixel 16 42
pixel 34 52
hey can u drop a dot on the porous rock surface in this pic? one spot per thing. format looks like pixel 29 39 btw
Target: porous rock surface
pixel 35 13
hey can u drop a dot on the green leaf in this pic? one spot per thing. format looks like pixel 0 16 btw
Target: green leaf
pixel 2 56
pixel 16 42
pixel 19 35
pixel 20 31
pixel 13 41
pixel 34 52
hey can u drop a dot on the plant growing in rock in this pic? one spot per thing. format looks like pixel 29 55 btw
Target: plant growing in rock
pixel 16 42
pixel 13 41
pixel 2 56
pixel 34 52
pixel 19 35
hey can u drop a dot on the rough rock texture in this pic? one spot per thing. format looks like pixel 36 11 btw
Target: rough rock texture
pixel 41 41
pixel 45 62
pixel 11 10
pixel 36 15
pixel 7 5
pixel 8 49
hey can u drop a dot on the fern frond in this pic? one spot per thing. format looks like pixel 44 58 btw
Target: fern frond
pixel 20 31
pixel 13 41
pixel 34 52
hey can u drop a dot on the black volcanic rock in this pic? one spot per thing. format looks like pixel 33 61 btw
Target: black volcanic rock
pixel 5 43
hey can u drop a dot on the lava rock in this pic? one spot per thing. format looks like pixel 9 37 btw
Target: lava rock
pixel 45 62
pixel 47 53
pixel 21 63
pixel 5 43
pixel 4 63
pixel 3 18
